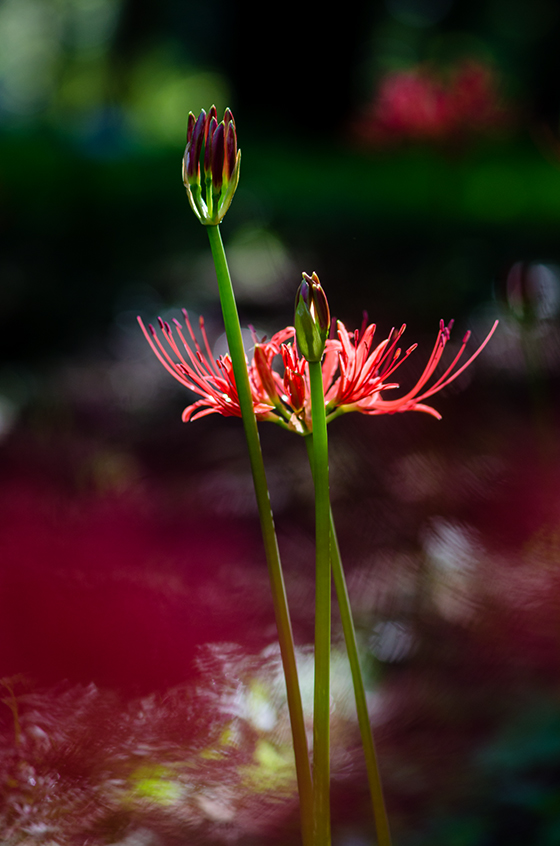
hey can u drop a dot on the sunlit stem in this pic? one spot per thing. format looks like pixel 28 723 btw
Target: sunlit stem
pixel 285 636
pixel 372 766
pixel 321 702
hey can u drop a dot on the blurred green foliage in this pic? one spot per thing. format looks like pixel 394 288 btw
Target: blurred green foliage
pixel 94 96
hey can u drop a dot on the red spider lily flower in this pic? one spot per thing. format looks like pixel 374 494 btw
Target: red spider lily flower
pixel 356 375
pixel 195 368
pixel 363 373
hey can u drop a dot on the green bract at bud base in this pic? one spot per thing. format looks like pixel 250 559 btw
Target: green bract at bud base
pixel 211 162
pixel 312 318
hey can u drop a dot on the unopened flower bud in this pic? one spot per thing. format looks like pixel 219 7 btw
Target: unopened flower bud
pixel 211 165
pixel 312 318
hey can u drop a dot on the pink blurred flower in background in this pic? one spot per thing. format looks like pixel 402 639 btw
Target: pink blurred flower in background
pixel 423 103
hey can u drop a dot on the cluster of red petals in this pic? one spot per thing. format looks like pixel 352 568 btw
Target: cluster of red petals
pixel 356 374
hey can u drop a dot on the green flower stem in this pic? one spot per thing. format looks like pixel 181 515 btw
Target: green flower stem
pixel 372 766
pixel 285 635
pixel 321 703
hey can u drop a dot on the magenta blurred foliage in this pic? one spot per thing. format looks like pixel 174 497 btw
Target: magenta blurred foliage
pixel 114 588
pixel 426 103
pixel 450 532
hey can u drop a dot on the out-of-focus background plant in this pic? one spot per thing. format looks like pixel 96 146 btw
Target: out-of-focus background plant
pixel 410 154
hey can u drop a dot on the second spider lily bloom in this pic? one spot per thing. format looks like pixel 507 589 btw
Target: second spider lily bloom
pixel 358 376
pixel 363 372
pixel 211 162
pixel 194 367
pixel 312 318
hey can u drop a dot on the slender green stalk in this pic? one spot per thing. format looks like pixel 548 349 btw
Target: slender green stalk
pixel 285 635
pixel 321 703
pixel 372 766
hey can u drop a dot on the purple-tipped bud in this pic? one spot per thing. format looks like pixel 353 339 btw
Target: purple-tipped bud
pixel 211 129
pixel 190 126
pixel 318 304
pixel 312 318
pixel 193 150
pixel 218 157
pixel 230 150
pixel 212 148
pixel 212 113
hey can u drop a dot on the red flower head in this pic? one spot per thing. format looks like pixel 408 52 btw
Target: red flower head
pixel 356 375
pixel 196 369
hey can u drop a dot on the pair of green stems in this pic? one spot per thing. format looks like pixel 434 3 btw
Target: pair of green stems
pixel 313 784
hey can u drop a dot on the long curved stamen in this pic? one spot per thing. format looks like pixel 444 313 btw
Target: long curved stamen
pixel 440 383
pixel 415 395
pixel 199 369
pixel 433 360
pixel 161 353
